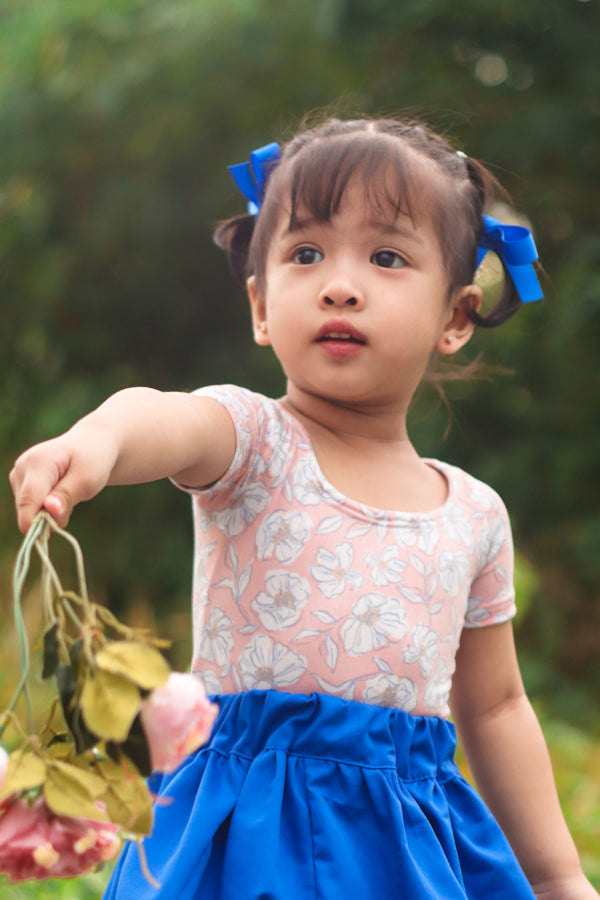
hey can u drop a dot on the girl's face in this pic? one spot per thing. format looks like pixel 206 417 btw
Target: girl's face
pixel 355 306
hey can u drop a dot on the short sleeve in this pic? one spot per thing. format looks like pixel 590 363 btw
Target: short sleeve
pixel 492 595
pixel 247 415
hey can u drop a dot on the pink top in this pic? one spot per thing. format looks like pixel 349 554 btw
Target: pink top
pixel 299 588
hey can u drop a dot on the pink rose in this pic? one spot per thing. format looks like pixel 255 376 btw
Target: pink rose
pixel 37 843
pixel 177 719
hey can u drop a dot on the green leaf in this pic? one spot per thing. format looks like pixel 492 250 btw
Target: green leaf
pixel 109 704
pixel 25 771
pixel 141 664
pixel 67 688
pixel 134 748
pixel 75 654
pixel 51 655
pixel 127 798
pixel 71 791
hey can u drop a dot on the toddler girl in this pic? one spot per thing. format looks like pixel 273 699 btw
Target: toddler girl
pixel 347 593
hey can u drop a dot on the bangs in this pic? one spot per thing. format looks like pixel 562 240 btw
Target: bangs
pixel 319 175
pixel 394 178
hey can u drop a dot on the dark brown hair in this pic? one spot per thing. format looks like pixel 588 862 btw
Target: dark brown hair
pixel 317 166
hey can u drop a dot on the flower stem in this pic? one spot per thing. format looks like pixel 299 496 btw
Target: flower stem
pixel 20 574
pixel 77 552
pixel 37 537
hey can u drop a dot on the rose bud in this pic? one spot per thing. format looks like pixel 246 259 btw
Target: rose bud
pixel 177 719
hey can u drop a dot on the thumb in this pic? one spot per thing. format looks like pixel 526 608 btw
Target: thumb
pixel 59 506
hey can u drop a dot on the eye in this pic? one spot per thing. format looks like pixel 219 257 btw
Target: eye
pixel 306 256
pixel 388 259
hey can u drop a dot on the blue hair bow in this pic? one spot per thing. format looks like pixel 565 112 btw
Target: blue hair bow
pixel 516 248
pixel 251 177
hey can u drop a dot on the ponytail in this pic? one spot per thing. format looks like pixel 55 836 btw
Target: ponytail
pixel 235 236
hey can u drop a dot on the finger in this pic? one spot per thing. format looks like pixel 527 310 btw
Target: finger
pixel 32 498
pixel 32 479
pixel 30 494
pixel 57 507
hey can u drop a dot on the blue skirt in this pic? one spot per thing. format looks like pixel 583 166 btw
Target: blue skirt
pixel 310 797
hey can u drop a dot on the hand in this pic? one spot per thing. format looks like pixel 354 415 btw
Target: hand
pixel 58 474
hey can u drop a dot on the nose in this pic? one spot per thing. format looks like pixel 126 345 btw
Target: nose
pixel 341 291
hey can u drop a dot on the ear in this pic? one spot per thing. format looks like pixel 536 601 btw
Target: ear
pixel 459 327
pixel 259 313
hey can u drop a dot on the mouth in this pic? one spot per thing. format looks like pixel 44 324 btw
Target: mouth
pixel 340 333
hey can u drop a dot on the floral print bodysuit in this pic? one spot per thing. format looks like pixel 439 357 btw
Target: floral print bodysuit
pixel 299 588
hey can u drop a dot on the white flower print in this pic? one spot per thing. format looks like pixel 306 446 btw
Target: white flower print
pixel 481 495
pixel 308 489
pixel 281 604
pixel 242 451
pixel 457 526
pixel 491 610
pixel 421 530
pixel 245 506
pixel 388 690
pixel 200 578
pixel 377 620
pixel 438 688
pixel 243 446
pixel 333 572
pixel 279 440
pixel 205 519
pixel 264 664
pixel 476 611
pixel 211 683
pixel 236 400
pixel 491 539
pixel 424 649
pixel 386 568
pixel 429 535
pixel 214 637
pixel 283 535
pixel 453 571
pixel 407 532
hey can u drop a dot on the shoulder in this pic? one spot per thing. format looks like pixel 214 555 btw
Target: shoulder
pixel 265 434
pixel 255 414
pixel 466 489
pixel 476 508
pixel 240 402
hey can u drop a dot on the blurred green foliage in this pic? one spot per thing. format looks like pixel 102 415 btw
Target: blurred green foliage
pixel 117 118
pixel 90 887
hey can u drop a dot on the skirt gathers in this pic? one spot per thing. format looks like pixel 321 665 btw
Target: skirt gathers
pixel 310 797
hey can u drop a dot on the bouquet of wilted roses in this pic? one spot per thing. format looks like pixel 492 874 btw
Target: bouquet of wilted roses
pixel 70 793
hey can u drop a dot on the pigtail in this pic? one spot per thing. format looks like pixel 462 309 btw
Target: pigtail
pixel 485 189
pixel 235 236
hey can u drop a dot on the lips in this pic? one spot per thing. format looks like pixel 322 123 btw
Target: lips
pixel 340 331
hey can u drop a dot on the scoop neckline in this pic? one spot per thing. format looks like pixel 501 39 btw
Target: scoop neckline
pixel 365 510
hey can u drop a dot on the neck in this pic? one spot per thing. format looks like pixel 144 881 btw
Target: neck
pixel 356 422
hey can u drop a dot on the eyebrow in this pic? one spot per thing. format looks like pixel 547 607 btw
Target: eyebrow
pixel 391 228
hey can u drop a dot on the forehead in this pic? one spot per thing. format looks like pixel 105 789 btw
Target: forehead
pixel 389 180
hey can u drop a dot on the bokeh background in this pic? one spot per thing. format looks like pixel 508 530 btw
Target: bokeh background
pixel 117 120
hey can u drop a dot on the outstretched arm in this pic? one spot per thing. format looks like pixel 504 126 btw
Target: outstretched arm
pixel 137 435
pixel 507 754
